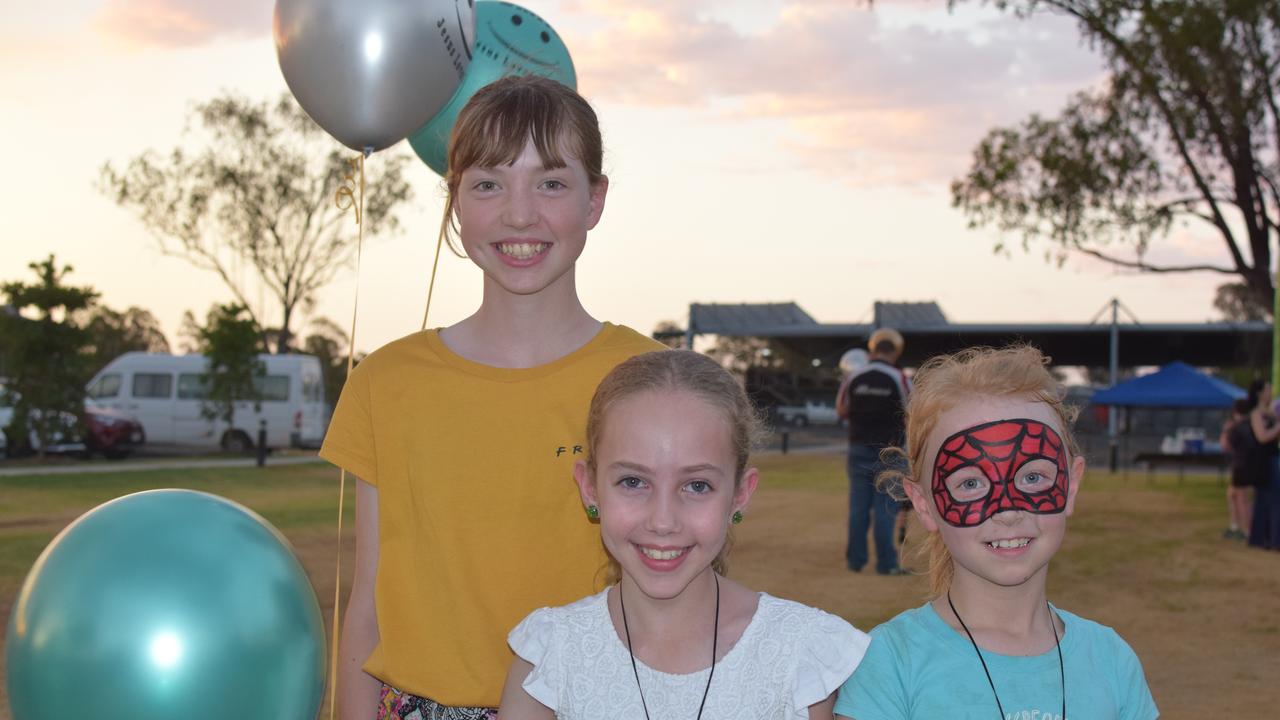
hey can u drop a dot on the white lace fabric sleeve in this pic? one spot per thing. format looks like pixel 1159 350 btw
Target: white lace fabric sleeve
pixel 535 641
pixel 831 651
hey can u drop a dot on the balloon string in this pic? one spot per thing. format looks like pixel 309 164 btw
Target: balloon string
pixel 432 285
pixel 345 200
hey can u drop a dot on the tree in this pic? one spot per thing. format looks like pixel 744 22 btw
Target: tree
pixel 330 343
pixel 189 334
pixel 1237 304
pixel 112 334
pixel 230 341
pixel 669 333
pixel 738 354
pixel 1186 132
pixel 43 343
pixel 258 192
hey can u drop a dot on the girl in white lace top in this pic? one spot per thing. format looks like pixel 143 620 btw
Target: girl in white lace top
pixel 666 474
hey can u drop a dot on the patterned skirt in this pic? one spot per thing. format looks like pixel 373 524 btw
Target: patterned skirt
pixel 396 705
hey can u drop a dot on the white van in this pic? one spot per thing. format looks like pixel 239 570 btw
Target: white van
pixel 166 394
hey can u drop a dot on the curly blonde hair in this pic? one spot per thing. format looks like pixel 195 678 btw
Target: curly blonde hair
pixel 942 383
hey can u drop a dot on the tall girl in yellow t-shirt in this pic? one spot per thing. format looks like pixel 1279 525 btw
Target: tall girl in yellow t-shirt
pixel 464 438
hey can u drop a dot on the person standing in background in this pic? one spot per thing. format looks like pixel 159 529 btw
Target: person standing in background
pixel 1264 527
pixel 1247 466
pixel 873 401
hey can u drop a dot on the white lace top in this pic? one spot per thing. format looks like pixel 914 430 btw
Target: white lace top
pixel 789 657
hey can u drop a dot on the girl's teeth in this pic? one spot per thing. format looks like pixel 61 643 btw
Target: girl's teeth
pixel 661 554
pixel 1009 544
pixel 521 251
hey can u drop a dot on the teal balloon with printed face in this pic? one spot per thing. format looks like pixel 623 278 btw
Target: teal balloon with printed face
pixel 166 604
pixel 510 40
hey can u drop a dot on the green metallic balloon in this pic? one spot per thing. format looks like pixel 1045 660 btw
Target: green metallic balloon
pixel 509 40
pixel 162 605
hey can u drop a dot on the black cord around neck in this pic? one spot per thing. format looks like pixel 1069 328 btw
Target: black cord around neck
pixel 715 638
pixel 1057 645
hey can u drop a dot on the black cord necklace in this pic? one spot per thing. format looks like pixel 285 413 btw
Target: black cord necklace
pixel 1057 645
pixel 715 637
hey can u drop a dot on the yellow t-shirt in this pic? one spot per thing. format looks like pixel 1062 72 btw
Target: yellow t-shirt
pixel 479 519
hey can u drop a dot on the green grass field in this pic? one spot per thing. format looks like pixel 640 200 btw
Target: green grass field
pixel 1144 557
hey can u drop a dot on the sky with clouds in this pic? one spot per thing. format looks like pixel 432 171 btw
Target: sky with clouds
pixel 758 150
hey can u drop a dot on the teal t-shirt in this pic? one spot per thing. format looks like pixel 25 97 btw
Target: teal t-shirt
pixel 919 667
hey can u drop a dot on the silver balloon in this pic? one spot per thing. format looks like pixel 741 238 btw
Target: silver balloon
pixel 372 71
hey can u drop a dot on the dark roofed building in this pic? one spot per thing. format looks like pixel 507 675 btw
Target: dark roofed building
pixel 909 315
pixel 748 320
pixel 928 332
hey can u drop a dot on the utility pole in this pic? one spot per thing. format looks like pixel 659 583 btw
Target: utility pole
pixel 1112 411
pixel 1275 334
pixel 690 332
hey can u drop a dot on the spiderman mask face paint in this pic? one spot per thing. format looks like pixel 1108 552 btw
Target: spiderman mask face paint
pixel 1018 464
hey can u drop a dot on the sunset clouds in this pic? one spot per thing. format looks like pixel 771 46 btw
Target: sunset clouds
pixel 759 150
pixel 898 92
pixel 867 98
pixel 180 23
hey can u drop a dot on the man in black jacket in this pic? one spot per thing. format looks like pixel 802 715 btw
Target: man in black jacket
pixel 873 399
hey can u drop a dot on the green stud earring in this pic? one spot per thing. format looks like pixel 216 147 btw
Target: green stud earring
pixel 737 517
pixel 593 512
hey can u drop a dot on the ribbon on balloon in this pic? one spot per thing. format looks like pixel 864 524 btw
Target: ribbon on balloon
pixel 350 196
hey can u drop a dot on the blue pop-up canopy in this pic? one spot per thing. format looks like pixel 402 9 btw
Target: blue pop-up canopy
pixel 1176 385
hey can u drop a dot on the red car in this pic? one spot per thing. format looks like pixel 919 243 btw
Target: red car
pixel 111 433
pixel 106 432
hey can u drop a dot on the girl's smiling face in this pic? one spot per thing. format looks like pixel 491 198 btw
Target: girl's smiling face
pixel 1001 508
pixel 524 224
pixel 665 487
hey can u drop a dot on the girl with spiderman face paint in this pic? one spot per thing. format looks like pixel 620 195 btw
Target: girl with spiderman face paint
pixel 998 492
pixel 993 476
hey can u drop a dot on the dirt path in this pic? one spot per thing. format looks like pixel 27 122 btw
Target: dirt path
pixel 118 466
